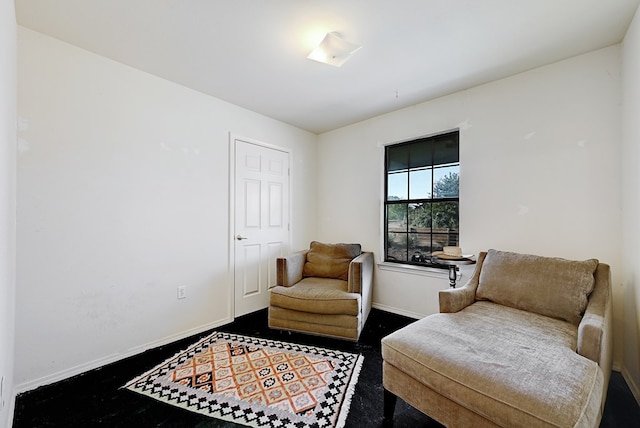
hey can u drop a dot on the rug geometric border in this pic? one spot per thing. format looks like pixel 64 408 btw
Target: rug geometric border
pixel 333 397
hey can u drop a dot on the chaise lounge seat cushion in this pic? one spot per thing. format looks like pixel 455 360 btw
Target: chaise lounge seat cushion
pixel 514 367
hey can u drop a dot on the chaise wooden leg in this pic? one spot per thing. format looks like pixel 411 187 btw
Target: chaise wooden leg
pixel 389 407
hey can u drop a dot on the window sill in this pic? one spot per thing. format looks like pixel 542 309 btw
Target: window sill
pixel 416 270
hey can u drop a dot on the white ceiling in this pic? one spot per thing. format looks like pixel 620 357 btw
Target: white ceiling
pixel 252 53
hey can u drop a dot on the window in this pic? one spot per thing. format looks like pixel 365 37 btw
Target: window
pixel 421 198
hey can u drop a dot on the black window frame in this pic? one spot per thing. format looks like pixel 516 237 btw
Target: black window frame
pixel 451 158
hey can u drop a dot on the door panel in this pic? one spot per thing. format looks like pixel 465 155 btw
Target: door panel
pixel 275 204
pixel 251 272
pixel 252 197
pixel 261 222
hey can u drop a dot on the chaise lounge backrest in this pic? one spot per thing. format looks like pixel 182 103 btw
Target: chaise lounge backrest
pixel 548 286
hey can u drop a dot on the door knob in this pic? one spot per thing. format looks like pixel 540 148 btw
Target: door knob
pixel 240 237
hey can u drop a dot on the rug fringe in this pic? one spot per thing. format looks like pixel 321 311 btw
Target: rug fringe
pixel 351 389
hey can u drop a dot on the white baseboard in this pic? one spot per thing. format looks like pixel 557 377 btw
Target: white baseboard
pixel 97 363
pixel 397 311
pixel 635 390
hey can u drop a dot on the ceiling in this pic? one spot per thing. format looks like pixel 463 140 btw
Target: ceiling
pixel 252 53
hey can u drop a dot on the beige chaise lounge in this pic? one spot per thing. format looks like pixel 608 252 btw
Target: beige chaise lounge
pixel 325 290
pixel 527 342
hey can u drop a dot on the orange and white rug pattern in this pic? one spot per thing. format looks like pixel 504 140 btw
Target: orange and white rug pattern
pixel 257 382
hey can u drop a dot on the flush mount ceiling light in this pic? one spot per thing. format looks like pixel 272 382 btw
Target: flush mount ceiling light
pixel 333 50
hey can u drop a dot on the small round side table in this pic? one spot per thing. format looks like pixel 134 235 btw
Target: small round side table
pixel 452 264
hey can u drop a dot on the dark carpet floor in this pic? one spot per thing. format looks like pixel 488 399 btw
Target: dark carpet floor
pixel 96 398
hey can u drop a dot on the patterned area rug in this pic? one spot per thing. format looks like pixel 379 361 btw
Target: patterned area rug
pixel 257 382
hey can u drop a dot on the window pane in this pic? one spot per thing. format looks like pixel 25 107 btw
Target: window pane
pixel 420 218
pixel 420 154
pixel 454 238
pixel 420 247
pixel 397 218
pixel 440 240
pixel 397 186
pixel 444 239
pixel 445 149
pixel 445 217
pixel 397 158
pixel 397 247
pixel 420 184
pixel 446 182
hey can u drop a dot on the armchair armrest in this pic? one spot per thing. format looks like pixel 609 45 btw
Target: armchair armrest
pixel 361 281
pixel 595 340
pixel 456 299
pixel 289 268
pixel 361 273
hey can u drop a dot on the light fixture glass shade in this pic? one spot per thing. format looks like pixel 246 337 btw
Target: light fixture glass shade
pixel 333 50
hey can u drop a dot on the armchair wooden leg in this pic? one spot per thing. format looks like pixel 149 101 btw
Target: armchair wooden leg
pixel 389 407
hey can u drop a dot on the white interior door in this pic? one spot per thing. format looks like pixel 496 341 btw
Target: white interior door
pixel 261 222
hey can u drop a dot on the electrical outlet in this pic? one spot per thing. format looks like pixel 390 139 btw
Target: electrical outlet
pixel 182 291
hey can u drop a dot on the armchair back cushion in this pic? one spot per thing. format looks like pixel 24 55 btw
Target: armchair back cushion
pixel 549 286
pixel 330 260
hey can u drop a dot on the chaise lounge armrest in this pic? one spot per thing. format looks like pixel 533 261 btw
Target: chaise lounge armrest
pixel 595 329
pixel 289 268
pixel 456 299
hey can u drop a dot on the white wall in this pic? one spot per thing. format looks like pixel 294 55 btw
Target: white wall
pixel 7 205
pixel 123 194
pixel 631 203
pixel 540 160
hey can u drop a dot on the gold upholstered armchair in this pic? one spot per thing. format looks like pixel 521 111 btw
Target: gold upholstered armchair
pixel 325 290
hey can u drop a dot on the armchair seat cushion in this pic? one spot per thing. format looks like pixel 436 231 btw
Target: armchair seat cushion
pixel 513 367
pixel 318 296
